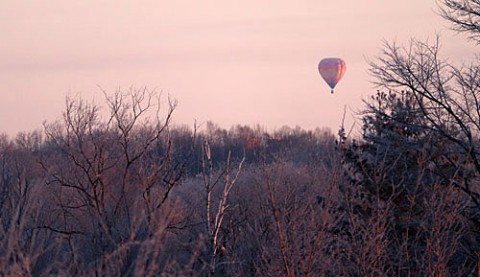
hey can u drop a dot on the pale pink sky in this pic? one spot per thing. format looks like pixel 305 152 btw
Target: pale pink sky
pixel 248 62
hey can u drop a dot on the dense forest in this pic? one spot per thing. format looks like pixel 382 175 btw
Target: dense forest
pixel 117 189
pixel 128 193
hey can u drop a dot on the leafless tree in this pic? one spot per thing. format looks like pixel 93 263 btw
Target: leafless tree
pixel 225 179
pixel 464 16
pixel 111 177
pixel 433 121
pixel 447 98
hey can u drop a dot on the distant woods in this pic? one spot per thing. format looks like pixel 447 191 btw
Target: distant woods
pixel 127 193
pixel 118 189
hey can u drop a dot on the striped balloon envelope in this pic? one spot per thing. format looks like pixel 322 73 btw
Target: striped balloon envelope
pixel 332 70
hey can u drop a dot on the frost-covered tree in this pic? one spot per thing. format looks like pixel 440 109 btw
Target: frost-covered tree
pixel 396 193
pixel 416 167
pixel 447 96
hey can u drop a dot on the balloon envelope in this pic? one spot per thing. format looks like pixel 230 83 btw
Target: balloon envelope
pixel 332 70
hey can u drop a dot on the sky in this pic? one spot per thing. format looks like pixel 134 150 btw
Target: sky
pixel 231 62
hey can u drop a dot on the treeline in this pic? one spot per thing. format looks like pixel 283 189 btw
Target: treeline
pixel 255 144
pixel 126 193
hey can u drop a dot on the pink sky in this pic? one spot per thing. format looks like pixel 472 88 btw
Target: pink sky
pixel 247 62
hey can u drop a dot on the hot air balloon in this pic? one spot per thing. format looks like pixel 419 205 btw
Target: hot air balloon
pixel 332 70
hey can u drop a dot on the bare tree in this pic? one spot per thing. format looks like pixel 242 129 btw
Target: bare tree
pixel 111 177
pixel 433 120
pixel 225 179
pixel 447 98
pixel 464 16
